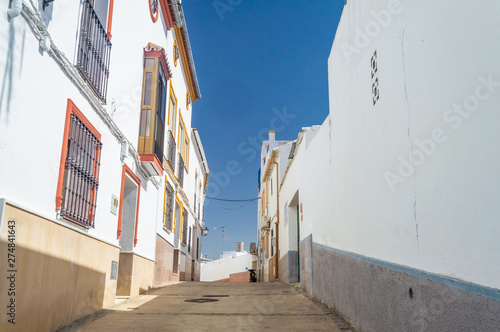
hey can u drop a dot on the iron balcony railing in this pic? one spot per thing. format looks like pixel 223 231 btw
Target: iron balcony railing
pixel 94 48
pixel 180 171
pixel 171 150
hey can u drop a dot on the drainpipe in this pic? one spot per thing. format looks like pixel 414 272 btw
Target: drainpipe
pixel 277 221
pixel 16 8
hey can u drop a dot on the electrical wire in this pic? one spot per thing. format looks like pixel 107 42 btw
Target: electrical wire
pixel 233 200
pixel 236 208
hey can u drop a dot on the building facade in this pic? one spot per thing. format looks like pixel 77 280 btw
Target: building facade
pixel 102 175
pixel 394 196
pixel 274 155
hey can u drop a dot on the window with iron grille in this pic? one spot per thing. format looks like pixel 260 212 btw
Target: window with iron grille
pixel 189 240
pixel 180 171
pixel 168 213
pixel 195 203
pixel 171 150
pixel 197 248
pixel 79 173
pixel 184 226
pixel 94 49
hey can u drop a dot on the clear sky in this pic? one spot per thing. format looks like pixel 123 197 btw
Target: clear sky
pixel 261 65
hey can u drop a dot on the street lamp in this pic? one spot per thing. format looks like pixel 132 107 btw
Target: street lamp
pixel 205 231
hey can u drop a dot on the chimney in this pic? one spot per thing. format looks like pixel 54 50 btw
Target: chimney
pixel 239 246
pixel 271 140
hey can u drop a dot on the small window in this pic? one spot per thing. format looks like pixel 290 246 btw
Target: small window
pixel 153 9
pixel 168 211
pixel 176 54
pixel 188 99
pixel 79 169
pixel 184 227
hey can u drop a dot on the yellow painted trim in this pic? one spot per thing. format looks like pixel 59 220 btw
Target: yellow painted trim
pixel 181 143
pixel 146 143
pixel 165 199
pixel 185 67
pixel 181 206
pixel 181 215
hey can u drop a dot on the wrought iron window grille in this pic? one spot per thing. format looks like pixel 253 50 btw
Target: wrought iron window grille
pixel 81 174
pixel 171 150
pixel 180 171
pixel 94 49
pixel 169 206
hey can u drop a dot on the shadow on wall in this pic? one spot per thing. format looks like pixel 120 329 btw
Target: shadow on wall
pixel 48 292
pixel 8 70
pixel 7 84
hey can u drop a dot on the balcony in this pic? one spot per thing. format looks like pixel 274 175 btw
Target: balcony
pixel 94 48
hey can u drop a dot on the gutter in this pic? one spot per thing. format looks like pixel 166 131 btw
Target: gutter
pixel 181 24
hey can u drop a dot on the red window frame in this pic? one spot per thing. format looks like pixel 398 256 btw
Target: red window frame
pixel 71 109
pixel 126 170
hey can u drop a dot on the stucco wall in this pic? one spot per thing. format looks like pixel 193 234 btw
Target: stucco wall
pixel 374 297
pixel 164 263
pixel 135 274
pixel 61 274
pixel 222 268
pixel 415 176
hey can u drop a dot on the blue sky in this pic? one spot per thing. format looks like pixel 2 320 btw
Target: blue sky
pixel 261 65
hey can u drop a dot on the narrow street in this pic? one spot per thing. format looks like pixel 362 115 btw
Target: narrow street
pixel 197 306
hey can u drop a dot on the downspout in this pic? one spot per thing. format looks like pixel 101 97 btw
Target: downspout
pixel 277 221
pixel 16 8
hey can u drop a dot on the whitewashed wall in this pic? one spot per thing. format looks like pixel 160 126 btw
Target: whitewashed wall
pixel 414 179
pixel 222 268
pixel 33 109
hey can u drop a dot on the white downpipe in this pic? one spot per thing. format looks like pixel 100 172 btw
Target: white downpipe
pixel 15 8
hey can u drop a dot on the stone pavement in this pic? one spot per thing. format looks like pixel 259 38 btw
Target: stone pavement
pixel 216 307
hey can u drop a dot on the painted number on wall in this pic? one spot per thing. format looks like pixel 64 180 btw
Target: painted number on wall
pixel 375 89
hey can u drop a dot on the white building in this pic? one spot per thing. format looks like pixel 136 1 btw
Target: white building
pixel 274 155
pixel 395 196
pixel 102 177
pixel 232 266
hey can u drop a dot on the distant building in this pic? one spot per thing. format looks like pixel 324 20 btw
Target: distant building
pixel 274 156
pixel 102 177
pixel 232 266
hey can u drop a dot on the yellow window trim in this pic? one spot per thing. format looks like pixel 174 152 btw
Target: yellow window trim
pixel 146 142
pixel 181 216
pixel 181 143
pixel 172 92
pixel 165 198
pixel 183 56
pixel 181 206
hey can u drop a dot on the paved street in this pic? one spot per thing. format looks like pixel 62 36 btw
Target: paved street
pixel 232 307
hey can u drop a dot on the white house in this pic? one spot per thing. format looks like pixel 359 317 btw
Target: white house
pixel 274 156
pixel 102 177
